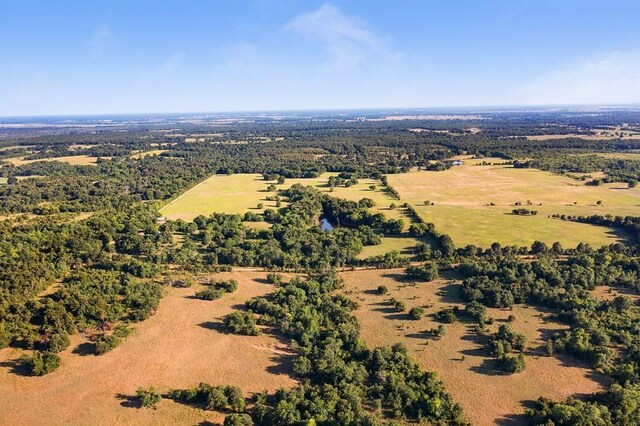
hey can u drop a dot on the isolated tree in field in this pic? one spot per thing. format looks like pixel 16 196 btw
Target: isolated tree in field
pixel 148 398
pixel 417 312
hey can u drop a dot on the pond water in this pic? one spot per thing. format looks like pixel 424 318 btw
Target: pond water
pixel 325 225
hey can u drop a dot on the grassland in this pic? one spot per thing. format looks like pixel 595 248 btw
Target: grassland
pixel 243 192
pixel 462 194
pixel 75 160
pixel 178 347
pixel 3 181
pixel 148 153
pixel 487 396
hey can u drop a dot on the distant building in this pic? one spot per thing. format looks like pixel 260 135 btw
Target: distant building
pixel 457 163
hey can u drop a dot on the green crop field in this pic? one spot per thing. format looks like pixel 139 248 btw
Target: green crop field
pixel 462 196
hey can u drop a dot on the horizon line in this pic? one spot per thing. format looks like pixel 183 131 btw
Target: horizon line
pixel 480 108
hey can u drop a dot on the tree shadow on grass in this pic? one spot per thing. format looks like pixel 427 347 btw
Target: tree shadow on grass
pixel 403 316
pixel 450 293
pixel 396 276
pixel 514 419
pixel 84 349
pixel 16 366
pixel 488 368
pixel 215 326
pixel 128 401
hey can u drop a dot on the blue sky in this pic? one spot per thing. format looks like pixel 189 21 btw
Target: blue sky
pixel 88 57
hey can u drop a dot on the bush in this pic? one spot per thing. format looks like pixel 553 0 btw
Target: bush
pixel 105 342
pixel 238 420
pixel 426 272
pixel 242 323
pixel 212 397
pixel 209 293
pixel 273 278
pixel 382 289
pixel 58 342
pixel 446 315
pixel 41 363
pixel 512 364
pixel 417 312
pixel 148 397
pixel 398 305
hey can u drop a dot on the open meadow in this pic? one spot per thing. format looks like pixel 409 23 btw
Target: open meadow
pixel 179 347
pixel 240 193
pixel 74 160
pixel 459 358
pixel 473 204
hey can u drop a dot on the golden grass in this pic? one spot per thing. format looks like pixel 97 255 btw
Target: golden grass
pixel 148 153
pixel 486 396
pixel 462 196
pixel 176 348
pixel 74 160
pixel 240 193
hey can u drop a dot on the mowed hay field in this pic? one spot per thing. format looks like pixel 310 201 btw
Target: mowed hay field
pixel 487 396
pixel 74 160
pixel 462 196
pixel 240 193
pixel 180 346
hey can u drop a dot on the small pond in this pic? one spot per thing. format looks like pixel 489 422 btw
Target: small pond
pixel 325 225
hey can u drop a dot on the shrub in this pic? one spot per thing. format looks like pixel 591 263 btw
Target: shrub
pixel 512 364
pixel 273 278
pixel 398 305
pixel 148 397
pixel 58 342
pixel 417 312
pixel 242 323
pixel 382 289
pixel 212 397
pixel 209 293
pixel 106 342
pixel 426 272
pixel 238 420
pixel 41 363
pixel 446 315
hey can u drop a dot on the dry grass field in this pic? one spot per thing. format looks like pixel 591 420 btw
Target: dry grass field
pixel 178 347
pixel 75 160
pixel 148 153
pixel 243 192
pixel 462 196
pixel 487 396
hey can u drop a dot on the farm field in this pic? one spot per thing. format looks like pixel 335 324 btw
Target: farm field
pixel 486 396
pixel 461 197
pixel 178 347
pixel 243 192
pixel 148 153
pixel 75 160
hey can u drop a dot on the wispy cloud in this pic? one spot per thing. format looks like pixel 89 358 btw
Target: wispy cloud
pixel 609 78
pixel 345 39
pixel 99 40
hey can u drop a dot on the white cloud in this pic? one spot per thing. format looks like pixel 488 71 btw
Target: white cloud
pixel 610 78
pixel 346 40
pixel 99 40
